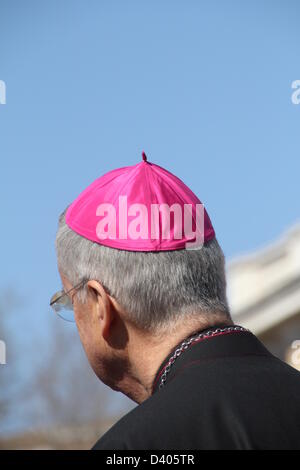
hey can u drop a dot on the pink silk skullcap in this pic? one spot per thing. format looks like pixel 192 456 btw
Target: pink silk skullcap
pixel 140 208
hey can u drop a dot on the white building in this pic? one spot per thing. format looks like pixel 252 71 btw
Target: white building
pixel 264 294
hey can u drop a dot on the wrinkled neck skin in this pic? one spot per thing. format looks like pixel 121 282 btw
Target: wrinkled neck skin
pixel 146 352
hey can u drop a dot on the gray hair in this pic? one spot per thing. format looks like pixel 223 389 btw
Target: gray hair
pixel 156 289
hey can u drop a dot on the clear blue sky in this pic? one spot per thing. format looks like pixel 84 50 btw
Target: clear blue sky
pixel 204 87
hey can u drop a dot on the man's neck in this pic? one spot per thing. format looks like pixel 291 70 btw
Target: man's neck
pixel 146 352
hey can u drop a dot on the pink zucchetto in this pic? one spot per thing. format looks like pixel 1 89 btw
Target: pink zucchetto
pixel 140 208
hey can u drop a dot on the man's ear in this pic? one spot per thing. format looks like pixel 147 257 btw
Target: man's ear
pixel 103 307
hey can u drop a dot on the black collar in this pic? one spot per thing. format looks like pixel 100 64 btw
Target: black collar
pixel 226 344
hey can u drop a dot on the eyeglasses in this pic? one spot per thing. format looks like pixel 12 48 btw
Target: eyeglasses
pixel 62 304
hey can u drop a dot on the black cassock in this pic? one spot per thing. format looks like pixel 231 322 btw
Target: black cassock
pixel 224 392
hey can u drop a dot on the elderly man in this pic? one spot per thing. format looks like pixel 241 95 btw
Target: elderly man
pixel 143 271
